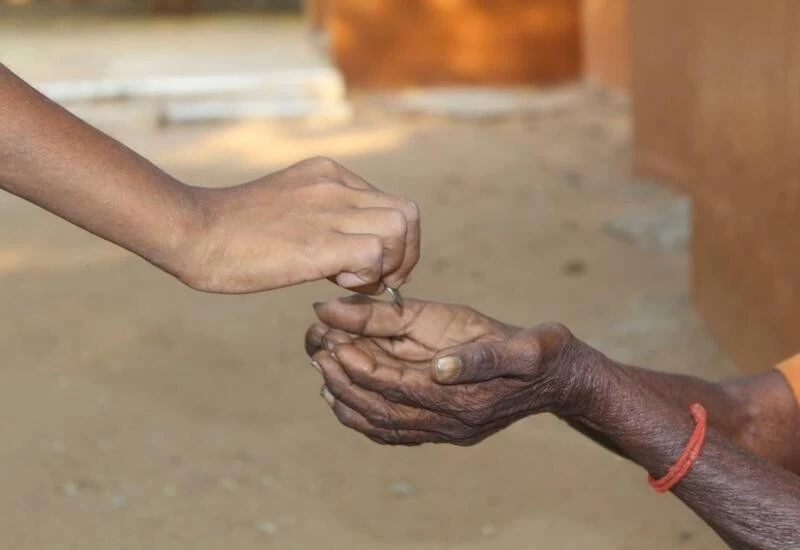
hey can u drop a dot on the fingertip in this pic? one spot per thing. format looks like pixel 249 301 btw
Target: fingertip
pixel 394 281
pixel 320 308
pixel 321 357
pixel 372 289
pixel 313 338
pixel 353 281
pixel 327 396
pixel 346 314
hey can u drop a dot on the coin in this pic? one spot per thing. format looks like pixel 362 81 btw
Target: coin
pixel 397 298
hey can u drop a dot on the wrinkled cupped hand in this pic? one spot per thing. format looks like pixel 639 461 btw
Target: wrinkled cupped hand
pixel 431 372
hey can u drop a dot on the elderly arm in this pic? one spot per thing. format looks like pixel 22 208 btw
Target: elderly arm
pixel 437 373
pixel 758 413
pixel 750 501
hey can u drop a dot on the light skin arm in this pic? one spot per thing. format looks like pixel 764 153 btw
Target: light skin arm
pixel 311 221
pixel 442 373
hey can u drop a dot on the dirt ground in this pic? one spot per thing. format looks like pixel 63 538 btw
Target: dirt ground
pixel 139 414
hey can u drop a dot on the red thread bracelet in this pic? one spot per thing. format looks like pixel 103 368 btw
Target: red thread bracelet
pixel 689 456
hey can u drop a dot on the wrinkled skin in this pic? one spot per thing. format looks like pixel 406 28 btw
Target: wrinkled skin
pixel 381 378
pixel 438 373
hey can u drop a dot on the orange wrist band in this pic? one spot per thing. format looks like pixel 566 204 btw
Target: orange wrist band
pixel 688 457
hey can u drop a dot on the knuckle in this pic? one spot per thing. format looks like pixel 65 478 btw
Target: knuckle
pixel 419 418
pixel 477 416
pixel 459 432
pixel 378 418
pixel 395 395
pixel 387 437
pixel 409 419
pixel 333 386
pixel 395 222
pixel 363 378
pixel 372 248
pixel 485 356
pixel 326 185
pixel 397 437
pixel 412 395
pixel 323 164
pixel 528 356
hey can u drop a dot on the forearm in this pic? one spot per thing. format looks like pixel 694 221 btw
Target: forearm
pixel 757 412
pixel 751 503
pixel 53 159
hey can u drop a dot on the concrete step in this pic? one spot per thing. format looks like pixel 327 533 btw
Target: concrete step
pixel 231 110
pixel 314 83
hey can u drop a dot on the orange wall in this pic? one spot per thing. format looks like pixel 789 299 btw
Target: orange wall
pixel 717 111
pixel 606 43
pixel 397 43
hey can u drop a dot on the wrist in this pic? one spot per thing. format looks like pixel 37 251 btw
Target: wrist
pixel 588 382
pixel 179 251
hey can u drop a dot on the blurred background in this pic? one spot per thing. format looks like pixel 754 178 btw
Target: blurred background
pixel 628 169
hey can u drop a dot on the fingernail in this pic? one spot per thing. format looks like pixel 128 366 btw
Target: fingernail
pixel 316 305
pixel 329 345
pixel 316 366
pixel 447 368
pixel 327 396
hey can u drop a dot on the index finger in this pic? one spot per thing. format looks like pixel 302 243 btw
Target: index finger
pixel 351 179
pixel 369 317
pixel 413 243
pixel 319 336
pixel 413 235
pixel 409 386
pixel 413 232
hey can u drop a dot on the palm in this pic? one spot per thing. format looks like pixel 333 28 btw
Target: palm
pixel 411 337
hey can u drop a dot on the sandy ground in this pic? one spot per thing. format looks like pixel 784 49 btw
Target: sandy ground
pixel 139 414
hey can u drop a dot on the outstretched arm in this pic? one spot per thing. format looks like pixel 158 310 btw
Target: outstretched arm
pixel 757 412
pixel 742 484
pixel 313 220
pixel 437 373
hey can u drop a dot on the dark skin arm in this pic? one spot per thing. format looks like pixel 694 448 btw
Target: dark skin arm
pixel 748 501
pixel 313 220
pixel 756 412
pixel 438 373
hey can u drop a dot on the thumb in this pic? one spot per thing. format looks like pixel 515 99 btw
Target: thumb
pixel 478 362
pixel 359 259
